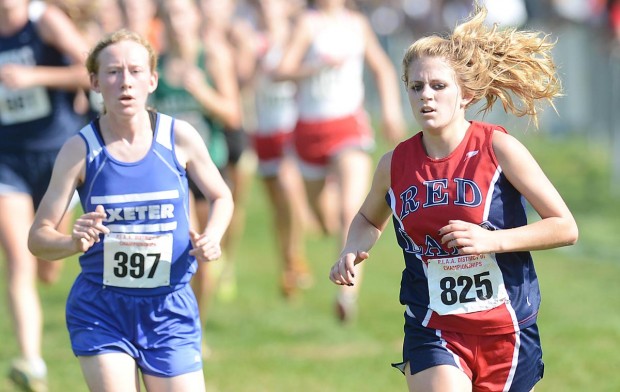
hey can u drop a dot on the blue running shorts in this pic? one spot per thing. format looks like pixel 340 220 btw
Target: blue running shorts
pixel 26 172
pixel 162 332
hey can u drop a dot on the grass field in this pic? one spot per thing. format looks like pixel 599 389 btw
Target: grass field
pixel 261 343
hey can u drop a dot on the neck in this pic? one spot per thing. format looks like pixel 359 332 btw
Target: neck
pixel 125 128
pixel 440 144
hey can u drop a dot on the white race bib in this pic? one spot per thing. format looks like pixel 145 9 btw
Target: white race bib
pixel 137 260
pixel 465 284
pixel 23 105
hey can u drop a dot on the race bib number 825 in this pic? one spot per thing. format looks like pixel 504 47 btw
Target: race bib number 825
pixel 465 284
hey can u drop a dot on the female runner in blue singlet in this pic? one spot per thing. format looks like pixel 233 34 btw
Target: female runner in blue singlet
pixel 131 310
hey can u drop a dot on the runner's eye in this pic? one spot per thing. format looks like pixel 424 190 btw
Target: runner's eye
pixel 417 87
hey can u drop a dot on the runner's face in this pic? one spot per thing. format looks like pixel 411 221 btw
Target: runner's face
pixel 434 94
pixel 124 79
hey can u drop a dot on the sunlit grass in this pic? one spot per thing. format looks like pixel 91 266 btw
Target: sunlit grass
pixel 262 343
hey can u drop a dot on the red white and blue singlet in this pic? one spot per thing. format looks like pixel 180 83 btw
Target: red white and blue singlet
pixel 477 294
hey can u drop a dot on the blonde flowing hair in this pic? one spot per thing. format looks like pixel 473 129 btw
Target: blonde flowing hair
pixel 494 63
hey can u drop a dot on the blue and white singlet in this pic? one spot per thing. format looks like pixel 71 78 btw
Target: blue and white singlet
pixel 146 203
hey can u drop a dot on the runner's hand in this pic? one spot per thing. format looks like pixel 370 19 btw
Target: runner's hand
pixel 343 270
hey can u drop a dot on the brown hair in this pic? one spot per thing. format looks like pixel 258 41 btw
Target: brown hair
pixel 92 62
pixel 492 63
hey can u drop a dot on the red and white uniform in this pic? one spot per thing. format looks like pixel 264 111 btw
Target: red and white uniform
pixel 331 114
pixel 276 113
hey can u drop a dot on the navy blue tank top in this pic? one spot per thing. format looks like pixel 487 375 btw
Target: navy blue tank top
pixel 36 118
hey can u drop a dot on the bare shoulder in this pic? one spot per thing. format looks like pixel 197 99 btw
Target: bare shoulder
pixel 375 209
pixel 385 162
pixel 58 30
pixel 184 134
pixel 71 159
pixel 187 141
pixel 51 23
pixel 506 145
pixel 514 158
pixel 50 14
pixel 382 175
pixel 503 137
pixel 75 146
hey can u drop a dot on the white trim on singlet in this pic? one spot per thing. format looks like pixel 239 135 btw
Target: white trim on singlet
pixel 164 130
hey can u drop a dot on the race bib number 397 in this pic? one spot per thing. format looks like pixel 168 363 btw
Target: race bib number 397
pixel 137 260
pixel 465 284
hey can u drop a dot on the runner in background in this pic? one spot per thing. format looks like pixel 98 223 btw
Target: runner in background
pixel 333 136
pixel 219 20
pixel 142 17
pixel 41 67
pixel 92 23
pixel 260 43
pixel 197 84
